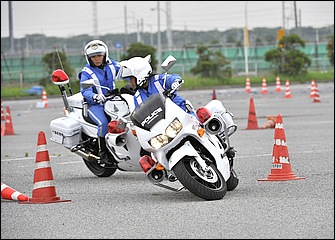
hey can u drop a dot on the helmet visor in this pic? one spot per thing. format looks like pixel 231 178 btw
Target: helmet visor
pixel 95 49
pixel 96 54
pixel 124 73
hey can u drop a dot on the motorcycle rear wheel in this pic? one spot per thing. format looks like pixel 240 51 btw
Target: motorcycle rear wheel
pixel 208 185
pixel 99 169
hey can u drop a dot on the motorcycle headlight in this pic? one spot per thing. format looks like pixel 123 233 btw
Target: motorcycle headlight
pixel 170 133
pixel 174 128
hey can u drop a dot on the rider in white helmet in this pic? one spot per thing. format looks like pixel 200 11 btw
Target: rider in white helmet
pixel 103 71
pixel 139 71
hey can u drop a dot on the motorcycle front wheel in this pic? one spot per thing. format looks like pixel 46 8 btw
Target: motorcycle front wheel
pixel 207 184
pixel 233 180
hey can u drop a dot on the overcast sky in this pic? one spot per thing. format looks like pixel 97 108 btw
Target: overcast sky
pixel 72 18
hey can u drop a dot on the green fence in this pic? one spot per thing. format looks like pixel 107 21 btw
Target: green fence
pixel 26 71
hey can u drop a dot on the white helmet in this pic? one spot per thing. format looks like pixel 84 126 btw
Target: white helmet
pixel 137 67
pixel 93 48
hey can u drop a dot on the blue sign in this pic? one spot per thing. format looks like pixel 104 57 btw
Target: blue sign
pixel 118 45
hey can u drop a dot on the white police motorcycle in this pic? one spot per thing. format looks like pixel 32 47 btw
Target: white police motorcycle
pixel 78 133
pixel 195 152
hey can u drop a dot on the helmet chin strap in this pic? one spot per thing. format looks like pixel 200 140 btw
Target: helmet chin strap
pixel 144 86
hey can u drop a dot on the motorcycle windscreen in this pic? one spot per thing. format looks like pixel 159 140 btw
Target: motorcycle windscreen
pixel 148 113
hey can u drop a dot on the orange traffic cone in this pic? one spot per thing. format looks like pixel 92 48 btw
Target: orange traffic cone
pixel 316 95
pixel 278 87
pixel 214 95
pixel 3 129
pixel 252 119
pixel 44 103
pixel 11 194
pixel 281 166
pixel 312 93
pixel 3 116
pixel 9 125
pixel 287 90
pixel 247 85
pixel 44 190
pixel 270 123
pixel 264 86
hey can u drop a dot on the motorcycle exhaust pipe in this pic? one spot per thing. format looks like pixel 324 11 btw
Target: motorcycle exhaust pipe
pixel 85 155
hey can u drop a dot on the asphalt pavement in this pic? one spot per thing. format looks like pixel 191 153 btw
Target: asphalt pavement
pixel 128 206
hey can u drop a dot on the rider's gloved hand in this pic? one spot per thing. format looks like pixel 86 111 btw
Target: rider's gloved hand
pixel 177 84
pixel 99 98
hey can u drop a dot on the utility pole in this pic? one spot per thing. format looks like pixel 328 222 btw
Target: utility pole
pixel 295 14
pixel 125 28
pixel 11 35
pixel 316 49
pixel 95 20
pixel 283 8
pixel 246 41
pixel 159 57
pixel 169 25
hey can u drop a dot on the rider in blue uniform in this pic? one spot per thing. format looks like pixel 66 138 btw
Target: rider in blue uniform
pixel 103 71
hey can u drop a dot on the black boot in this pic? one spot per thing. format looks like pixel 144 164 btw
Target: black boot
pixel 103 152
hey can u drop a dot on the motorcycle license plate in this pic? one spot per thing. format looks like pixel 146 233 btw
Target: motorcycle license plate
pixel 57 137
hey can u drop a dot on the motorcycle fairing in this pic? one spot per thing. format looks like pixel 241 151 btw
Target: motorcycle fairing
pixel 149 112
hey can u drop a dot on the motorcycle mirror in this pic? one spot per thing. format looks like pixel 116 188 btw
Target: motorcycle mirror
pixel 168 63
pixel 59 77
pixel 87 83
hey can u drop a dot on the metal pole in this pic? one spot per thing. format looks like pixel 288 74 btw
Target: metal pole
pixel 158 39
pixel 168 25
pixel 125 28
pixel 283 8
pixel 11 32
pixel 246 40
pixel 95 20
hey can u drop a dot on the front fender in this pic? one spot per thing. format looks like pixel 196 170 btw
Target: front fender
pixel 186 150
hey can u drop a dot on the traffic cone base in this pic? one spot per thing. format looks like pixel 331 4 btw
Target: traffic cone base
pixel 281 166
pixel 11 194
pixel 44 190
pixel 252 119
pixel 281 172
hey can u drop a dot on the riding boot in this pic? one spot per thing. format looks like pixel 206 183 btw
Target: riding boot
pixel 103 152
